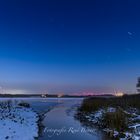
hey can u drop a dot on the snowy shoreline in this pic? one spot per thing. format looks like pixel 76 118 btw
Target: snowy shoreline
pixel 18 121
pixel 97 119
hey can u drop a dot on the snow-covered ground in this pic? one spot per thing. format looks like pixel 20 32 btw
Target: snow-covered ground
pixel 97 117
pixel 17 122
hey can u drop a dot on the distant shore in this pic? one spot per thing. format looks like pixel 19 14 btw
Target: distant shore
pixel 51 96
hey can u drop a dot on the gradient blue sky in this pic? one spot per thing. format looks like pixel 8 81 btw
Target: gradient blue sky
pixel 69 46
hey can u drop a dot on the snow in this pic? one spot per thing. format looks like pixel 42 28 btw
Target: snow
pixel 17 123
pixel 135 126
pixel 136 137
pixel 111 109
pixel 97 116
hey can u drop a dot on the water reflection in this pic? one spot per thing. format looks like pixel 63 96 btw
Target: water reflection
pixel 60 124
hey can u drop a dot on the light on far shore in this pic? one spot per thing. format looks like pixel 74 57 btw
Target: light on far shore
pixel 60 95
pixel 119 94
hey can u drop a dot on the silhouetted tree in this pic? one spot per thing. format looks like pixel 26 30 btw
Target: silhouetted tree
pixel 138 85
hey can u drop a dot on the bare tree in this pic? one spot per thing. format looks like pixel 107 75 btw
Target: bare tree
pixel 138 85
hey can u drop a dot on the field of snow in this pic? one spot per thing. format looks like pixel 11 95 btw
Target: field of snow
pixel 17 122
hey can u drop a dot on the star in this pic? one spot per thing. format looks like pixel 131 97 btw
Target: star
pixel 130 33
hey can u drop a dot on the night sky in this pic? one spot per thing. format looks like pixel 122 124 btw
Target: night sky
pixel 70 46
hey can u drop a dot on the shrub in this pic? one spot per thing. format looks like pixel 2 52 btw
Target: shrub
pixel 116 120
pixel 125 102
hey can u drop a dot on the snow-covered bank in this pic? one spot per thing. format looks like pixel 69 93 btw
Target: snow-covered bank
pixel 98 118
pixel 17 122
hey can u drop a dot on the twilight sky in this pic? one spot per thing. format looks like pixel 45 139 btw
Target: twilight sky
pixel 69 46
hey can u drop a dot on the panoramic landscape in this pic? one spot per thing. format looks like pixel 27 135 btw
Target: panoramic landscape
pixel 69 70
